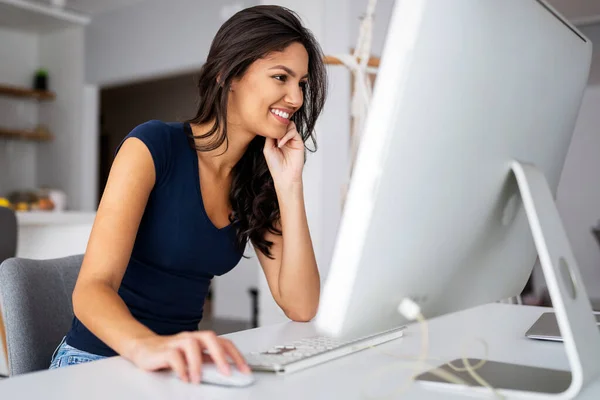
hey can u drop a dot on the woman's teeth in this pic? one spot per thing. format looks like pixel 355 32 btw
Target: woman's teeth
pixel 282 114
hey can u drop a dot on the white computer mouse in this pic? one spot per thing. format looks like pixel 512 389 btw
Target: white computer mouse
pixel 212 375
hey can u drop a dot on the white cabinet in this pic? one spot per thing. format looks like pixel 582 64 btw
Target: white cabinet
pixel 45 235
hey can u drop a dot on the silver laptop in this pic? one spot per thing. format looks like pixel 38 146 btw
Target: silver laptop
pixel 546 327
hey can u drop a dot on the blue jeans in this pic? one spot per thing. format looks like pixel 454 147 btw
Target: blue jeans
pixel 66 355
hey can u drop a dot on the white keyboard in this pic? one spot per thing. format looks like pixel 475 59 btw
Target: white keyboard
pixel 312 351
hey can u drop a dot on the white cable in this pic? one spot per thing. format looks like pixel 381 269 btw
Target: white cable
pixel 412 311
pixel 421 363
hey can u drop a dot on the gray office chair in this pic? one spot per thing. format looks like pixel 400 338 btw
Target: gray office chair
pixel 8 233
pixel 35 299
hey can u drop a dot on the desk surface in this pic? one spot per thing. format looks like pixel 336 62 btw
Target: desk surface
pixel 373 373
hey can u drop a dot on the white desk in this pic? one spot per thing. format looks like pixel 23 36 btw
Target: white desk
pixel 501 325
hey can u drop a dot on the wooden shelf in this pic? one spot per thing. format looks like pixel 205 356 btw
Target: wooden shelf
pixel 331 60
pixel 33 135
pixel 14 91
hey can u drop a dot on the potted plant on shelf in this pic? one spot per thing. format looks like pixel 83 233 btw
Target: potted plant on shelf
pixel 40 81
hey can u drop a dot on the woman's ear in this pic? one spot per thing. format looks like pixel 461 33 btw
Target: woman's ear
pixel 233 85
pixel 222 84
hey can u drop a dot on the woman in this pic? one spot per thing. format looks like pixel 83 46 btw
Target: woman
pixel 183 199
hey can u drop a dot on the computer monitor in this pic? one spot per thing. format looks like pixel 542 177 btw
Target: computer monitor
pixel 468 129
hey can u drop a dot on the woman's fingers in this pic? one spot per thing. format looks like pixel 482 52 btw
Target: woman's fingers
pixel 235 355
pixel 187 352
pixel 212 345
pixel 177 363
pixel 288 136
pixel 193 355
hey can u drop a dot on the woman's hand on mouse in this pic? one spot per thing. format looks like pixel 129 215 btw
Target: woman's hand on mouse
pixel 184 353
pixel 285 156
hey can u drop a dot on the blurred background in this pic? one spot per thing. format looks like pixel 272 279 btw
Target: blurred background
pixel 77 75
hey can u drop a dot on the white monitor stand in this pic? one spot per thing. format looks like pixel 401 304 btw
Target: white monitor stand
pixel 574 313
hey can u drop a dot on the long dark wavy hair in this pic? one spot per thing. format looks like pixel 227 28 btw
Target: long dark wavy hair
pixel 247 36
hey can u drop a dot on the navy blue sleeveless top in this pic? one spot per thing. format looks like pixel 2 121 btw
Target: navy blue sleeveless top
pixel 177 249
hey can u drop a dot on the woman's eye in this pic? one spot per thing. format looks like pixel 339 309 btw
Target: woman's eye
pixel 281 78
pixel 303 85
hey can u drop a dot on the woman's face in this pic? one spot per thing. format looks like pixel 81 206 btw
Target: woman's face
pixel 264 99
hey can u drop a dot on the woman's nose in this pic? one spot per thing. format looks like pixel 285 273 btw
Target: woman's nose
pixel 295 96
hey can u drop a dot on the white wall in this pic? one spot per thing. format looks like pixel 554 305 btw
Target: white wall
pixel 333 135
pixel 88 156
pixel 19 55
pixel 62 53
pixel 152 38
pixel 324 170
pixel 231 296
pixel 578 196
pixel 593 33
pixel 576 9
pixel 382 15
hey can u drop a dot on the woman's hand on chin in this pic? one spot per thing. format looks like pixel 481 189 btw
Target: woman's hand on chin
pixel 285 157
